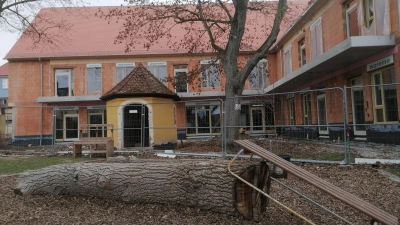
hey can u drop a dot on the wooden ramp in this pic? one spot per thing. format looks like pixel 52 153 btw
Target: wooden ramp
pixel 375 213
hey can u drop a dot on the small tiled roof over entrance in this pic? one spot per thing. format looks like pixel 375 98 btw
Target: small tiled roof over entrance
pixel 140 83
pixel 4 70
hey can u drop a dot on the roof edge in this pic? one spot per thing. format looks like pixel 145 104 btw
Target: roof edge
pixel 127 95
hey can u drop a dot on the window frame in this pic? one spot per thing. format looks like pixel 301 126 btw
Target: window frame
pixel 367 17
pixel 206 72
pixel 259 73
pixel 287 61
pixel 382 97
pixel 154 68
pixel 63 72
pixel 350 9
pixel 124 66
pixel 307 109
pixel 292 110
pixel 302 48
pixel 4 83
pixel 97 66
pixel 180 70
pixel 319 42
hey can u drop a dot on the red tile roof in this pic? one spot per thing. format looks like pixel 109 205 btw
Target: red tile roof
pixel 4 70
pixel 140 82
pixel 93 36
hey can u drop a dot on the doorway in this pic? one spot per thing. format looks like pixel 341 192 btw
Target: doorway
pixel 71 127
pixel 322 117
pixel 257 119
pixel 136 126
pixel 357 96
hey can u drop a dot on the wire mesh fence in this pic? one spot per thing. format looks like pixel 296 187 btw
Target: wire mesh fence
pixel 331 124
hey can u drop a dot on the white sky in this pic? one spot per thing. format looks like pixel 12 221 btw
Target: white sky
pixel 7 39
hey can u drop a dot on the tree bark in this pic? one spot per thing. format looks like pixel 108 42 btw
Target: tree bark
pixel 202 184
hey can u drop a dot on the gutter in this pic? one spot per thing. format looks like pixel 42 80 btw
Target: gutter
pixel 41 104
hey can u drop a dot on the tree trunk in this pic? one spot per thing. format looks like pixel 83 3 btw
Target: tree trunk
pixel 203 184
pixel 233 94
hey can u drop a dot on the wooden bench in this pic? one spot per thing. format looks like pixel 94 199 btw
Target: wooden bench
pixel 94 141
pixel 375 213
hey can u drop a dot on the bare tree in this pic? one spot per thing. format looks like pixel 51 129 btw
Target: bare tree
pixel 18 16
pixel 210 26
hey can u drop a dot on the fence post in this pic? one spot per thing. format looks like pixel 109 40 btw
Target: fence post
pixel 346 128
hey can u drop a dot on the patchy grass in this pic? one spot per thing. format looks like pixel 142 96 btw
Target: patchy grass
pixel 12 165
pixel 394 171
pixel 334 156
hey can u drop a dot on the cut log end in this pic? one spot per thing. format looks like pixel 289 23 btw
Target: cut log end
pixel 249 202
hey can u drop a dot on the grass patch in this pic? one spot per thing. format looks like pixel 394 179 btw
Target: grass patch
pixel 21 164
pixel 394 171
pixel 334 156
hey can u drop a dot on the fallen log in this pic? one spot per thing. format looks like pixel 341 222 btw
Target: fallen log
pixel 206 185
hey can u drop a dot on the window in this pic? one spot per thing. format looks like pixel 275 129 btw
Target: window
pixel 292 119
pixel 159 70
pixel 385 96
pixel 97 116
pixel 5 83
pixel 180 74
pixel 209 73
pixel 94 79
pixel 316 39
pixel 123 69
pixel 258 76
pixel 64 84
pixel 287 61
pixel 302 52
pixel 352 20
pixel 307 120
pixel 203 119
pixel 369 13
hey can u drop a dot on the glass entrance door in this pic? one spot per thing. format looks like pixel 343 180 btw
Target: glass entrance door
pixel 257 119
pixel 71 127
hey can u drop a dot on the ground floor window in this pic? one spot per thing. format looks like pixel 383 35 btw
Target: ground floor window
pixel 291 105
pixel 385 96
pixel 97 116
pixel 67 124
pixel 203 119
pixel 307 119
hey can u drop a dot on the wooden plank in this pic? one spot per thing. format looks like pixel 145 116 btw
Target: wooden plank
pixel 346 197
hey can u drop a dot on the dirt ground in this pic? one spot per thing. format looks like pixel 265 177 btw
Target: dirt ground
pixel 365 181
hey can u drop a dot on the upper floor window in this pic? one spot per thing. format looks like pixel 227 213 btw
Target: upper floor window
pixel 352 20
pixel 302 52
pixel 180 75
pixel 287 61
pixel 258 76
pixel 316 39
pixel 123 69
pixel 385 96
pixel 64 84
pixel 369 12
pixel 5 83
pixel 159 70
pixel 209 73
pixel 94 80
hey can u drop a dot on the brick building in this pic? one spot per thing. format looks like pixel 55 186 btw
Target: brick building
pixel 334 44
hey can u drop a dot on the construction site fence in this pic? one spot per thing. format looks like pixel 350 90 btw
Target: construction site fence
pixel 329 124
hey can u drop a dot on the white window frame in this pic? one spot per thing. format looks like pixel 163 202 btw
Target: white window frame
pixel 258 76
pixel 155 67
pixel 5 83
pixel 207 69
pixel 125 68
pixel 316 46
pixel 94 67
pixel 367 17
pixel 287 60
pixel 64 72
